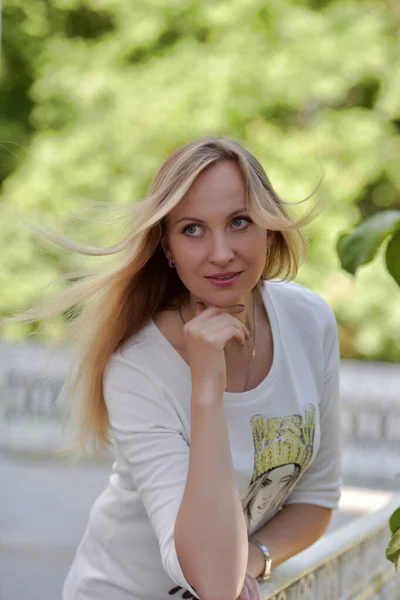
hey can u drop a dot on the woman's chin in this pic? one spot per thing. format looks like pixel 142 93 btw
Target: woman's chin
pixel 225 296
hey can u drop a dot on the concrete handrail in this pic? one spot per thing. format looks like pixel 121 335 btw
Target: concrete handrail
pixel 349 563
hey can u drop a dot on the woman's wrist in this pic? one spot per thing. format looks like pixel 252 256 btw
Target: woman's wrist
pixel 256 561
pixel 206 393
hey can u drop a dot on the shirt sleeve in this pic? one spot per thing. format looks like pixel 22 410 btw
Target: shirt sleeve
pixel 321 482
pixel 148 432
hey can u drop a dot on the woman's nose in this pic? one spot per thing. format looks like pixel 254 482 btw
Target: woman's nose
pixel 221 250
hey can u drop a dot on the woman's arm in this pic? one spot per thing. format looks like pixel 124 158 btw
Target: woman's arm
pixel 293 529
pixel 210 530
pixel 307 512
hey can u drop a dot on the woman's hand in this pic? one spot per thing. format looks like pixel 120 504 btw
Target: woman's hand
pixel 206 336
pixel 251 589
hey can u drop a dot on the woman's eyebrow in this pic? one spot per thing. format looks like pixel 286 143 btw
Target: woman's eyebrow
pixel 235 212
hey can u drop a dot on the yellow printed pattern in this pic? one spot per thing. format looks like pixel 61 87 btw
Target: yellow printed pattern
pixel 280 441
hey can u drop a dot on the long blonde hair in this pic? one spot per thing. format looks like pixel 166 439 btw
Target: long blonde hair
pixel 113 306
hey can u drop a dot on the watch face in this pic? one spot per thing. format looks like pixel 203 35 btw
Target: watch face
pixel 267 569
pixel 267 572
pixel 269 564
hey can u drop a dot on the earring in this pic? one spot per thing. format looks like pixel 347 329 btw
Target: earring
pixel 267 252
pixel 171 263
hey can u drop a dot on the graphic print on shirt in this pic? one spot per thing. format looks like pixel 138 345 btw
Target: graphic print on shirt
pixel 182 592
pixel 283 448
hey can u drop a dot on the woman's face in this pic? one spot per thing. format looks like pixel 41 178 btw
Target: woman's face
pixel 272 486
pixel 210 232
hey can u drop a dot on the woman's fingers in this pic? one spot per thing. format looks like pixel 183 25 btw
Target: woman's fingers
pixel 225 332
pixel 253 587
pixel 250 590
pixel 244 594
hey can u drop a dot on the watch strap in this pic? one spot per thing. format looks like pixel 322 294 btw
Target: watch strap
pixel 268 563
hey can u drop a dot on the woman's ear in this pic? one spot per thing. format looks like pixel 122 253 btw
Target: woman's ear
pixel 270 238
pixel 164 246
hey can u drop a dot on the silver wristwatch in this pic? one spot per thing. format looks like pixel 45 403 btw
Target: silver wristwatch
pixel 268 562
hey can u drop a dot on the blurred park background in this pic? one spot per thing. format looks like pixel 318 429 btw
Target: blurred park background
pixel 94 94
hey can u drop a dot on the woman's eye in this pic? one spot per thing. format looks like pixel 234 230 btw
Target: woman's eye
pixel 193 226
pixel 186 229
pixel 241 219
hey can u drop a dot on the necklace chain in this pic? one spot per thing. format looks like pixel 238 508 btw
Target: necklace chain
pixel 254 339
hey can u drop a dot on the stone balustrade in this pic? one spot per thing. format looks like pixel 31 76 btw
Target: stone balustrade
pixel 370 400
pixel 347 564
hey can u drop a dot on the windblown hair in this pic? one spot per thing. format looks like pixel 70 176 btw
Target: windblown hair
pixel 115 305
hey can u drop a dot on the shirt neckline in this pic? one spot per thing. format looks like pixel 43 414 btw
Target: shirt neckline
pixel 182 365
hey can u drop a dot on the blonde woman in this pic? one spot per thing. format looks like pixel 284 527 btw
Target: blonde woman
pixel 216 377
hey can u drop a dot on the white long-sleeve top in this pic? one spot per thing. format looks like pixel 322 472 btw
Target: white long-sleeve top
pixel 285 439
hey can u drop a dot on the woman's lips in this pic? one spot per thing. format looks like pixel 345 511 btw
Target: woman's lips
pixel 223 282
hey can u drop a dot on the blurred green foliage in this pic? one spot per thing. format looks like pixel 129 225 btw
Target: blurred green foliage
pixel 361 245
pixel 393 548
pixel 96 93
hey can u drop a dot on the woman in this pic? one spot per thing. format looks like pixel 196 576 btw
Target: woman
pixel 217 378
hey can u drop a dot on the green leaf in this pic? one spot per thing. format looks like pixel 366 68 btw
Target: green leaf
pixel 395 521
pixel 393 256
pixel 393 550
pixel 361 245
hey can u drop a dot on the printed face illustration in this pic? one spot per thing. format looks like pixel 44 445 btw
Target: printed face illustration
pixel 283 449
pixel 269 492
pixel 272 490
